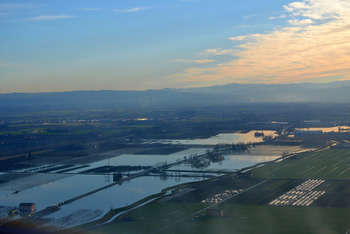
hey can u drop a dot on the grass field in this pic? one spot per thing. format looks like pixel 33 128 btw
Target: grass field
pixel 337 194
pixel 169 218
pixel 327 164
pixel 267 219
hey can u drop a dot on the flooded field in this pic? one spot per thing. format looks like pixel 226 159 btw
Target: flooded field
pixel 96 205
pixel 52 188
pixel 142 159
pixel 253 136
pixel 93 206
pixel 232 162
pixel 327 129
pixel 53 192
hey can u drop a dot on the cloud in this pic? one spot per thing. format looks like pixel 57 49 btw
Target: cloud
pixel 247 17
pixel 90 9
pixel 300 22
pixel 197 61
pixel 50 17
pixel 238 38
pixel 131 10
pixel 319 9
pixel 314 46
pixel 217 52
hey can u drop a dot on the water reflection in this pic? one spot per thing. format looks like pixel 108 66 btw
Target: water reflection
pixel 111 198
pixel 253 136
pixel 327 129
pixel 236 161
pixel 229 163
pixel 53 192
pixel 143 160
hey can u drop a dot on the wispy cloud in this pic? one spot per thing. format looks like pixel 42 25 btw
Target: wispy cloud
pixel 197 61
pixel 247 17
pixel 300 22
pixel 50 17
pixel 315 45
pixel 238 38
pixel 90 9
pixel 217 52
pixel 131 10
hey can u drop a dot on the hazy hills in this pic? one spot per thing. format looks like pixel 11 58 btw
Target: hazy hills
pixel 337 92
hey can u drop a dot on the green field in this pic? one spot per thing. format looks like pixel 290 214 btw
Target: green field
pixel 266 219
pixel 171 218
pixel 327 164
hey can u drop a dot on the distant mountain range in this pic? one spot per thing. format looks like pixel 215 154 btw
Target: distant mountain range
pixel 336 92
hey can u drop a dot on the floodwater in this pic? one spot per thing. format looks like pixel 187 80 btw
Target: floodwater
pixel 96 205
pixel 49 189
pixel 143 160
pixel 224 138
pixel 114 197
pixel 230 163
pixel 258 154
pixel 93 206
pixel 327 129
pixel 53 192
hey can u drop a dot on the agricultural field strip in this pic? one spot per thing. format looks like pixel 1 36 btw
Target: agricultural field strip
pixel 301 195
pixel 34 169
pixel 51 169
pixel 47 168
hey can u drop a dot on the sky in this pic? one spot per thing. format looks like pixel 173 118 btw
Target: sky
pixel 63 45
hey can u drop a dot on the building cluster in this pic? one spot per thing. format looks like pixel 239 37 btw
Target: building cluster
pixel 301 195
pixel 26 209
pixel 217 198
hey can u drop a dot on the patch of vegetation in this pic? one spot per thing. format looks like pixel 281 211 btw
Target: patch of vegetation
pixel 160 217
pixel 326 164
pixel 337 194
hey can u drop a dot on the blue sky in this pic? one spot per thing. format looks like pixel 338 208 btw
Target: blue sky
pixel 60 45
